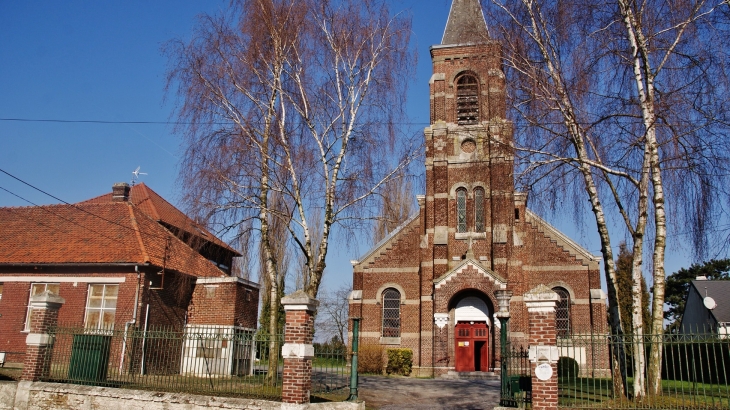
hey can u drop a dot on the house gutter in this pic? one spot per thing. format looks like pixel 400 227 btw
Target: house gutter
pixel 54 265
pixel 131 322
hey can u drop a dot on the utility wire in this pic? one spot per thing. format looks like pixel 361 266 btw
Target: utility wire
pixel 76 206
pixel 53 213
pixel 55 120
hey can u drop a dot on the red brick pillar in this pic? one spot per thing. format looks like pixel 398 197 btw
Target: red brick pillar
pixel 45 315
pixel 543 352
pixel 298 351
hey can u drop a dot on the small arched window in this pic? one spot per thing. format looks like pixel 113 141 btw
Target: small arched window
pixel 479 209
pixel 467 100
pixel 562 312
pixel 391 313
pixel 461 210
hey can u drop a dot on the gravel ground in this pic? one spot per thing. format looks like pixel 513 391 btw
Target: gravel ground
pixel 391 393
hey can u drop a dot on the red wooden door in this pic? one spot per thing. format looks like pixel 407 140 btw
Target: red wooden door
pixel 464 348
pixel 472 347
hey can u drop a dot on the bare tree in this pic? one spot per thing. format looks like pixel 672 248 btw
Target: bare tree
pixel 396 206
pixel 333 313
pixel 297 99
pixel 585 86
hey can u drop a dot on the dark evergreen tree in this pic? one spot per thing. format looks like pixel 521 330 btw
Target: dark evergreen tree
pixel 624 283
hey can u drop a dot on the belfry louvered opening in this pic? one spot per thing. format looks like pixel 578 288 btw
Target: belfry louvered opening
pixel 467 100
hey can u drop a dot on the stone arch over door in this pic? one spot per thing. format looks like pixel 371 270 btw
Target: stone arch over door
pixel 467 279
pixel 472 335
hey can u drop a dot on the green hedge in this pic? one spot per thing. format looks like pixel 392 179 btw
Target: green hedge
pixel 400 361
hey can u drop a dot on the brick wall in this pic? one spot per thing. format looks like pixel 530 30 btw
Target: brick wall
pixel 224 301
pixel 14 304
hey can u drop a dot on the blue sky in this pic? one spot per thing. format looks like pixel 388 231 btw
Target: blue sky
pixel 102 61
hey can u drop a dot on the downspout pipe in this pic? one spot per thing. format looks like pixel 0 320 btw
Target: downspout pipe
pixel 131 322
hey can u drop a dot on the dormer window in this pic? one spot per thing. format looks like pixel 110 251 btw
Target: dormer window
pixel 467 100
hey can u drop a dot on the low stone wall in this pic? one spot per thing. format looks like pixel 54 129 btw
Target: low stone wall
pixel 40 395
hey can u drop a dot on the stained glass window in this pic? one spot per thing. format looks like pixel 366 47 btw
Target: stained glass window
pixel 461 210
pixel 391 313
pixel 479 209
pixel 562 312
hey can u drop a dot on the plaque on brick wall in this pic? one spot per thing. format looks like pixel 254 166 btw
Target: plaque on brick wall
pixel 544 371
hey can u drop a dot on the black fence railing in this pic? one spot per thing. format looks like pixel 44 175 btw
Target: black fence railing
pixel 216 360
pixel 599 371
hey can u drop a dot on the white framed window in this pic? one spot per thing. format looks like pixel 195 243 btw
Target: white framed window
pixel 37 289
pixel 101 307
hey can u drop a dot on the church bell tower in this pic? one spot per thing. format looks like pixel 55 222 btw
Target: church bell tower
pixel 470 200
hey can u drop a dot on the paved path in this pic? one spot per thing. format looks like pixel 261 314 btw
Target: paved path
pixel 391 393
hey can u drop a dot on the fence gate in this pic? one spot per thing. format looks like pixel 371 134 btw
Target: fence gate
pixel 516 378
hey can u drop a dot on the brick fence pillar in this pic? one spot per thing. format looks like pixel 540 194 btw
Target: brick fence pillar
pixel 298 350
pixel 543 351
pixel 44 315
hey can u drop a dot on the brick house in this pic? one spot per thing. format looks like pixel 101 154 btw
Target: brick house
pixel 430 286
pixel 126 259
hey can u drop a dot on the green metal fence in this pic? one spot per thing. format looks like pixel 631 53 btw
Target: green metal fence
pixel 517 384
pixel 214 360
pixel 330 369
pixel 598 371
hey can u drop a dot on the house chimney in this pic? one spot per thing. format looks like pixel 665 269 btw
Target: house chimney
pixel 120 192
pixel 701 278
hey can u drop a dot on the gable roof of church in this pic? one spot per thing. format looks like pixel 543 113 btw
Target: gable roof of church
pixel 561 239
pixel 466 24
pixel 388 239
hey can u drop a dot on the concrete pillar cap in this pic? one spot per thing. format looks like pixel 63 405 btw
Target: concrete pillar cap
pixel 540 299
pixel 299 300
pixel 46 300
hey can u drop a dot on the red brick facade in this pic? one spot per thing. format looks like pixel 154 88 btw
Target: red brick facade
pixel 442 256
pixel 135 241
pixel 298 350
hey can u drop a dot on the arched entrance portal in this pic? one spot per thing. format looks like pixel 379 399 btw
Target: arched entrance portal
pixel 471 335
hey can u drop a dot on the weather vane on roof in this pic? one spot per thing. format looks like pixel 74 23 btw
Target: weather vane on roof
pixel 136 175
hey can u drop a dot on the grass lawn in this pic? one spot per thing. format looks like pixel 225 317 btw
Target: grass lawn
pixel 597 393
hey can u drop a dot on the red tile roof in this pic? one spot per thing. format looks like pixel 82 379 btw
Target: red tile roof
pixel 95 232
pixel 151 203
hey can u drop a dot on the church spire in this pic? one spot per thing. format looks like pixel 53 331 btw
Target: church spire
pixel 466 24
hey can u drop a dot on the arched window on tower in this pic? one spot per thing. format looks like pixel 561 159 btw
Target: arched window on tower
pixel 391 313
pixel 562 313
pixel 479 209
pixel 467 100
pixel 461 210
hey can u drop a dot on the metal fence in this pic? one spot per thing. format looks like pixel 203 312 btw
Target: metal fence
pixel 215 360
pixel 516 381
pixel 594 370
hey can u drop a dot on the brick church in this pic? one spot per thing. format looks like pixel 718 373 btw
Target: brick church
pixel 432 284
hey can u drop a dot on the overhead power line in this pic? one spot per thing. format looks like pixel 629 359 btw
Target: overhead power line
pixel 55 120
pixel 73 205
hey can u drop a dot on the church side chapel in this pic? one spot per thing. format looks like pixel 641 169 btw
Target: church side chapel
pixel 433 285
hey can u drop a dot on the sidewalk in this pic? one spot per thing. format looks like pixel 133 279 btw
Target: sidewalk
pixel 391 393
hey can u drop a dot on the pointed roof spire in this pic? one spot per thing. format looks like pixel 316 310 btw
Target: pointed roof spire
pixel 466 24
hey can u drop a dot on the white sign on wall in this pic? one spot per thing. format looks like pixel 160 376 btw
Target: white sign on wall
pixel 544 371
